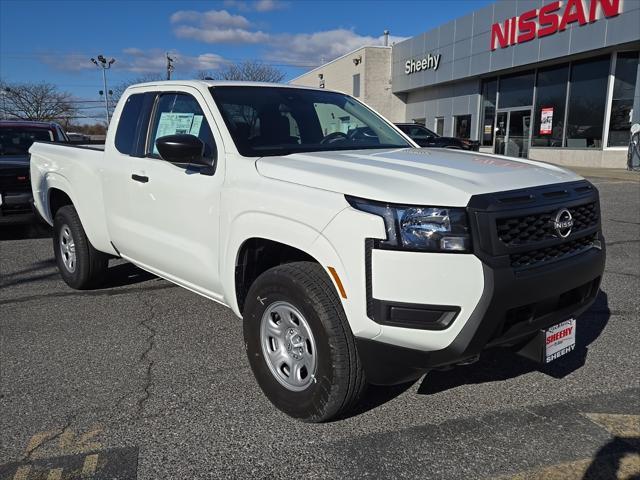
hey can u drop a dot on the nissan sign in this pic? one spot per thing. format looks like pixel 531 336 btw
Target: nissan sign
pixel 549 19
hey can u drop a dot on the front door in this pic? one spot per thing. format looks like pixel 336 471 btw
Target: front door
pixel 512 132
pixel 176 208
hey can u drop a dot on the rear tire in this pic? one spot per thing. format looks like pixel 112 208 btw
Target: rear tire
pixel 331 381
pixel 81 266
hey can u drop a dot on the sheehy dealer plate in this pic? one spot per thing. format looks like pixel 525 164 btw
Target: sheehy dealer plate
pixel 560 339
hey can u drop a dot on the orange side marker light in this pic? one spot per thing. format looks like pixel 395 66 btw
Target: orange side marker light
pixel 336 279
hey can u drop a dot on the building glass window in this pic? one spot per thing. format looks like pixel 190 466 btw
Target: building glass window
pixel 516 90
pixel 587 102
pixel 489 90
pixel 551 97
pixel 440 126
pixel 622 102
pixel 462 126
pixel 356 85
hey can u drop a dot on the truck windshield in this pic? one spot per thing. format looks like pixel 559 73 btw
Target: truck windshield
pixel 280 120
pixel 16 140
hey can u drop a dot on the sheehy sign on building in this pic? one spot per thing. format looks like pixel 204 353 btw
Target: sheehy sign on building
pixel 426 63
pixel 553 17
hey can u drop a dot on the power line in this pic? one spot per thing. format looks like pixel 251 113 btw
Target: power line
pixel 281 62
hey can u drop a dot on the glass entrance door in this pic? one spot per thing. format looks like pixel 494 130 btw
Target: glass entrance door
pixel 512 133
pixel 501 132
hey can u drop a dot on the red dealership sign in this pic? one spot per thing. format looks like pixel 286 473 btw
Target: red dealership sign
pixel 551 18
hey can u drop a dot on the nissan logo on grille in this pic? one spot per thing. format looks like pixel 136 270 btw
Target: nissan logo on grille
pixel 562 223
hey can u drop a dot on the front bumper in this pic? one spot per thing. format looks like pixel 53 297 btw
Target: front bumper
pixel 501 295
pixel 511 309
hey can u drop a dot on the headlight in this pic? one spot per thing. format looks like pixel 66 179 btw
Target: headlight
pixel 433 229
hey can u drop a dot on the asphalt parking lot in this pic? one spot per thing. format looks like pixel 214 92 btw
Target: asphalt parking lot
pixel 142 378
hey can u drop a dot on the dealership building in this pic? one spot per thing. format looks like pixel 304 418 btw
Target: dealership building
pixel 557 81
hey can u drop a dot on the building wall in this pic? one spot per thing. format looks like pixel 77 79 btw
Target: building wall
pixel 465 43
pixel 377 84
pixel 375 75
pixel 607 158
pixel 446 101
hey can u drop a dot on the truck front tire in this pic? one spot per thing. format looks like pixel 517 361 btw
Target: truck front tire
pixel 81 266
pixel 299 343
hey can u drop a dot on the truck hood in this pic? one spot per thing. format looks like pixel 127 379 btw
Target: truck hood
pixel 431 176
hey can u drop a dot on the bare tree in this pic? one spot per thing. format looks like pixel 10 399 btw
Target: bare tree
pixel 35 101
pixel 251 71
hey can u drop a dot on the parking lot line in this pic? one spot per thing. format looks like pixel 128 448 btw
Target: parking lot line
pixel 55 474
pixel 624 428
pixel 22 473
pixel 619 425
pixel 89 466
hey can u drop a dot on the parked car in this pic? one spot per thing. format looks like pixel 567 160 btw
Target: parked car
pixel 428 138
pixel 78 138
pixel 16 204
pixel 349 260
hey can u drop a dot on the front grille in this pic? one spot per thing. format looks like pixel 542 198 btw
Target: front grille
pixel 528 229
pixel 543 255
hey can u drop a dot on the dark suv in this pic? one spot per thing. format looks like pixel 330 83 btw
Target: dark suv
pixel 16 137
pixel 427 138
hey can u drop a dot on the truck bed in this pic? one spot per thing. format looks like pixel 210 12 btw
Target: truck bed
pixel 75 170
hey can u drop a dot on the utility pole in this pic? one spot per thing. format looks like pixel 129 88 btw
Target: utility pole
pixel 105 65
pixel 170 67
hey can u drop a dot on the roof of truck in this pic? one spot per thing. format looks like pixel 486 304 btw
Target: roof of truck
pixel 222 83
pixel 27 123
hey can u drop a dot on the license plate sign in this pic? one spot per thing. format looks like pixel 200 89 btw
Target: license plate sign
pixel 560 339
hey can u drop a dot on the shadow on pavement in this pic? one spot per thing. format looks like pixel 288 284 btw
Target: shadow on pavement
pixel 124 274
pixel 23 231
pixel 374 397
pixel 608 462
pixel 501 364
pixel 498 364
pixel 40 270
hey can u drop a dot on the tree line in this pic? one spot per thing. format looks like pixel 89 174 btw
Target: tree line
pixel 44 101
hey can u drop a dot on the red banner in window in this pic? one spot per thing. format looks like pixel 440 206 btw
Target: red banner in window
pixel 546 121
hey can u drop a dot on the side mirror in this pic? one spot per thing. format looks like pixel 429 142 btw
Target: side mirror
pixel 182 148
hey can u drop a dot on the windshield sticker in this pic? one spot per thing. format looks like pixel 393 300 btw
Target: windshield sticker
pixel 195 125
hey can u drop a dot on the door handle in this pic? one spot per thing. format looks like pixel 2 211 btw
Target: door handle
pixel 140 178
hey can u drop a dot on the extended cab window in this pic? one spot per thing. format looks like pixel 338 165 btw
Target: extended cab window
pixel 180 113
pixel 127 126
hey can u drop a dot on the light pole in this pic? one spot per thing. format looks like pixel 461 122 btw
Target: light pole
pixel 105 65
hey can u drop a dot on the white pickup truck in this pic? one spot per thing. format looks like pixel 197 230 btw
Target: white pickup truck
pixel 351 255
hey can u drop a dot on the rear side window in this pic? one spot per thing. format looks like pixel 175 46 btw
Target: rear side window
pixel 127 126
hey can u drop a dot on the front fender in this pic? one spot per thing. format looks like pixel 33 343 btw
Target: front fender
pixel 339 245
pixel 278 229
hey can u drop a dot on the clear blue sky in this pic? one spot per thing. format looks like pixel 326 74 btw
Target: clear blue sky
pixel 53 40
